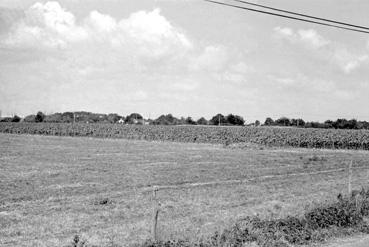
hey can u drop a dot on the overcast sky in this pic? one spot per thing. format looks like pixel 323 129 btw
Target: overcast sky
pixel 188 58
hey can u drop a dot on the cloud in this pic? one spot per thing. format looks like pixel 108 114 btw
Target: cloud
pixel 101 23
pixel 308 37
pixel 187 86
pixel 348 61
pixel 302 82
pixel 284 31
pixel 7 17
pixel 313 38
pixel 315 86
pixel 51 26
pixel 142 60
pixel 332 52
pixel 236 73
pixel 46 25
pixel 213 58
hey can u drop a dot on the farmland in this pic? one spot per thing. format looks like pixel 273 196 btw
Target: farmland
pixel 52 187
pixel 269 136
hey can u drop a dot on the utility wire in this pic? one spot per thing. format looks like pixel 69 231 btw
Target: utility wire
pixel 288 17
pixel 303 15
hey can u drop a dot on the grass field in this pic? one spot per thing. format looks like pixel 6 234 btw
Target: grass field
pixel 52 188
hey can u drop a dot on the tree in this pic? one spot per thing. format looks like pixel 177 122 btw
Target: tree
pixel 269 122
pixel 352 124
pixel 30 119
pixel 166 120
pixel 190 121
pixel 329 124
pixel 218 119
pixel 96 117
pixel 39 117
pixel 6 120
pixel 182 121
pixel 257 123
pixel 53 118
pixel 283 121
pixel 133 118
pixel 202 121
pixel 364 124
pixel 297 122
pixel 113 117
pixel 340 123
pixel 15 119
pixel 235 120
pixel 67 117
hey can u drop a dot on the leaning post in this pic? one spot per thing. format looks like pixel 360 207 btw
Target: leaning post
pixel 155 216
pixel 350 179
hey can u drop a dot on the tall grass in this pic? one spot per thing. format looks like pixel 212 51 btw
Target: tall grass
pixel 342 217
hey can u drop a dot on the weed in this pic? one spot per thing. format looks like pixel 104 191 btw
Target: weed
pixel 78 242
pixel 103 201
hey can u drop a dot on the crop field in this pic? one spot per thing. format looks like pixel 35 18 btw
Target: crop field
pixel 270 136
pixel 52 188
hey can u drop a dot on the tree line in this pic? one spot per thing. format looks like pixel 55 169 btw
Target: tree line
pixel 133 118
pixel 169 119
pixel 340 123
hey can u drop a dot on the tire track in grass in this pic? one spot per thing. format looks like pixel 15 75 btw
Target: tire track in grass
pixel 236 181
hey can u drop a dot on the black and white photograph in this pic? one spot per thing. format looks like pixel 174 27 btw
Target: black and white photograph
pixel 184 123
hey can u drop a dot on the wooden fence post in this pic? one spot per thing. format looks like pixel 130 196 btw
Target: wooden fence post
pixel 154 230
pixel 357 203
pixel 350 179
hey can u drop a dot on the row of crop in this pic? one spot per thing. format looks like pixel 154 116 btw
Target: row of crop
pixel 293 137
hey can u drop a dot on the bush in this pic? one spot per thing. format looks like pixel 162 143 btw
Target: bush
pixel 341 214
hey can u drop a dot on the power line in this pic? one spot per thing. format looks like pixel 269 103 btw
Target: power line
pixel 289 17
pixel 303 15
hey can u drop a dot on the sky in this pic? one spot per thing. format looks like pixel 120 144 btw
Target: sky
pixel 184 57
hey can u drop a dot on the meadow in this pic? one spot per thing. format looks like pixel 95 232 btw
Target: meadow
pixel 52 188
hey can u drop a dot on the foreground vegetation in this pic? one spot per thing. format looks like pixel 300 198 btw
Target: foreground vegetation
pixel 343 217
pixel 346 216
pixel 269 136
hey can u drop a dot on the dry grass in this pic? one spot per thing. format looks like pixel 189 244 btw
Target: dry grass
pixel 52 188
